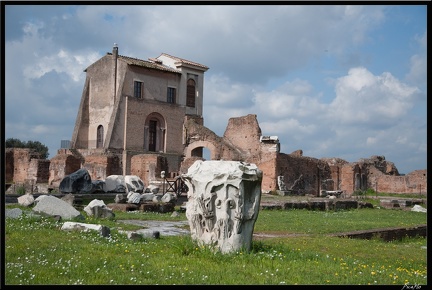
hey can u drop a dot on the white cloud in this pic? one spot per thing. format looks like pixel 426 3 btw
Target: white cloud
pixel 61 62
pixel 220 91
pixel 417 72
pixel 40 129
pixel 371 141
pixel 362 97
pixel 401 139
pixel 290 99
pixel 294 128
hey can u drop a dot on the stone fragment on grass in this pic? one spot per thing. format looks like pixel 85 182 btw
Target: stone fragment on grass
pixel 51 205
pixel 103 230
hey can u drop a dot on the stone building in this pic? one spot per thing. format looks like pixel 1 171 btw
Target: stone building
pixel 134 109
pixel 141 117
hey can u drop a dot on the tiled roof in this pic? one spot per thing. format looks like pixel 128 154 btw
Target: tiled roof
pixel 145 63
pixel 185 61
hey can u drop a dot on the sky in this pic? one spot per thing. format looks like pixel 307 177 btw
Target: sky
pixel 343 81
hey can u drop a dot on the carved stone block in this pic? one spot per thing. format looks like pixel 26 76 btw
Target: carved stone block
pixel 223 203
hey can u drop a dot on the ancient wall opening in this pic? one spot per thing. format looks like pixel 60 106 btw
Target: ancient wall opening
pixel 196 149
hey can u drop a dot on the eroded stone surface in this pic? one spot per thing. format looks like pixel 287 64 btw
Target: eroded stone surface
pixel 223 203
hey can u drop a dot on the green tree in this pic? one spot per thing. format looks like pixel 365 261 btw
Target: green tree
pixel 36 145
pixel 14 143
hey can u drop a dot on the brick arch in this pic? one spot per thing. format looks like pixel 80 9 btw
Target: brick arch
pixel 214 150
pixel 154 132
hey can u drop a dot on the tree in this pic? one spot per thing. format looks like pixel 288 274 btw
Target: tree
pixel 36 145
pixel 14 143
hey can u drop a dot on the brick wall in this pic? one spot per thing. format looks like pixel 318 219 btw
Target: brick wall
pixel 39 170
pixel 9 165
pixel 148 167
pixel 64 163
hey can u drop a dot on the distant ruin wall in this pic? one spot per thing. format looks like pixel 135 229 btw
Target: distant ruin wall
pixel 38 170
pixel 101 166
pixel 347 173
pixel 9 165
pixel 244 133
pixel 303 175
pixel 22 164
pixel 64 163
pixel 148 167
pixel 415 182
pixel 187 162
pixel 269 178
pixel 241 142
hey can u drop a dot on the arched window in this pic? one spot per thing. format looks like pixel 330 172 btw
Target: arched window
pixel 190 93
pixel 99 138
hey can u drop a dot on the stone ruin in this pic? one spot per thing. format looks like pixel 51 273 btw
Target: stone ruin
pixel 223 203
pixel 130 192
pixel 222 208
pixel 286 174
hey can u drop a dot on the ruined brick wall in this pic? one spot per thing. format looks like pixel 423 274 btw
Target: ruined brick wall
pixel 196 136
pixel 380 163
pixel 335 176
pixel 38 170
pixel 187 162
pixel 335 166
pixel 148 167
pixel 354 177
pixel 99 166
pixel 244 133
pixel 415 182
pixel 383 177
pixel 304 175
pixel 347 172
pixel 269 180
pixel 21 159
pixel 64 163
pixel 113 165
pixel 173 163
pixel 9 165
pixel 267 161
pixel 197 119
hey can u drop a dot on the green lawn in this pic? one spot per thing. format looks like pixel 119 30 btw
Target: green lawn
pixel 38 252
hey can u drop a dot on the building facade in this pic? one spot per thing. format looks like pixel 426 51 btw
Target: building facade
pixel 131 106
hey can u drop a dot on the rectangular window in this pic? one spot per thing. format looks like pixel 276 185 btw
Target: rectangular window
pixel 190 93
pixel 138 88
pixel 171 95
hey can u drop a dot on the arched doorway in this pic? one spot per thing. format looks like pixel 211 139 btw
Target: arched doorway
pixel 154 133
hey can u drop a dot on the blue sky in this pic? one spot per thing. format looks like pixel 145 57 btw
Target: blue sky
pixel 332 80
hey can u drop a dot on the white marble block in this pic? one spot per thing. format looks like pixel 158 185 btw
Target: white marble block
pixel 223 203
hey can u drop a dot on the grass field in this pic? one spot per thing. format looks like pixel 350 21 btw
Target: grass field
pixel 37 252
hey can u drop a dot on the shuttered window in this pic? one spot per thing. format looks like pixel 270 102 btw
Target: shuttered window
pixel 171 95
pixel 138 86
pixel 190 93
